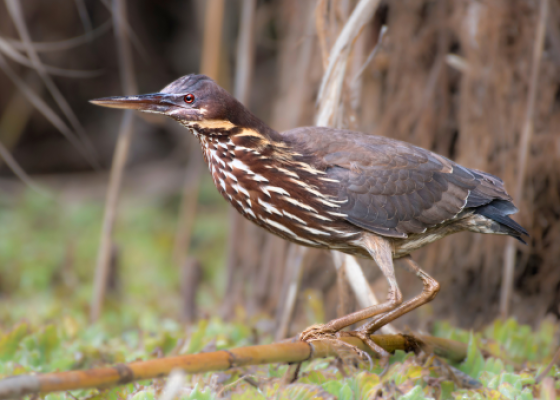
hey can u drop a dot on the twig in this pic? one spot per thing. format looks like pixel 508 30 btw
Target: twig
pixel 191 273
pixel 189 201
pixel 18 171
pixel 210 64
pixel 524 144
pixel 9 51
pixel 548 389
pixel 173 386
pixel 382 33
pixel 545 371
pixel 292 281
pixel 329 92
pixel 242 87
pixel 14 8
pixel 16 113
pixel 329 100
pixel 42 47
pixel 41 106
pixel 128 82
pixel 245 51
pixel 21 385
pixel 86 21
pixel 358 283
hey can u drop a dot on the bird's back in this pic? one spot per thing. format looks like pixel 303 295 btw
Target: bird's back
pixel 395 189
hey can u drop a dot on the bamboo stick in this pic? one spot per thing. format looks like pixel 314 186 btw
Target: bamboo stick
pixel 242 88
pixel 17 386
pixel 128 81
pixel 523 155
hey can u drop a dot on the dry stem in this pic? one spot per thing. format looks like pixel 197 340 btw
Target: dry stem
pixel 21 385
pixel 524 143
pixel 119 161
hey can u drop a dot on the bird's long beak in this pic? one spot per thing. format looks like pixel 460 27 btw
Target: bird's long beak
pixel 154 102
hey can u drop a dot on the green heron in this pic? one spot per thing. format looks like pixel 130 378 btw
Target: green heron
pixel 364 195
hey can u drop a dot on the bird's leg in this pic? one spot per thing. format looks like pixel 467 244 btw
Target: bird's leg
pixel 431 288
pixel 381 251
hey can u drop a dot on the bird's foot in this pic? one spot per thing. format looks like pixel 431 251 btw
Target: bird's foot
pixel 318 331
pixel 377 350
pixel 345 350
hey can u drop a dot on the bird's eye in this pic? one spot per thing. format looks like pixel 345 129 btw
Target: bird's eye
pixel 189 98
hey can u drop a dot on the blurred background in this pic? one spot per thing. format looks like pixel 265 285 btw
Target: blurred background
pixel 450 76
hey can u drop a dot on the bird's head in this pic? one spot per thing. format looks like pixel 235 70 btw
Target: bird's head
pixel 196 101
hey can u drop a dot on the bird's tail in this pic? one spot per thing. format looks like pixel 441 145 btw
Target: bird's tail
pixel 499 211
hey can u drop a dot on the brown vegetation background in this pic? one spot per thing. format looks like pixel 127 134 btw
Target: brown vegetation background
pixel 452 76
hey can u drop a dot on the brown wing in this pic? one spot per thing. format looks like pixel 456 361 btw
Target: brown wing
pixel 390 187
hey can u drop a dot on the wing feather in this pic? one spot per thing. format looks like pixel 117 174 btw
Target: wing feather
pixel 390 187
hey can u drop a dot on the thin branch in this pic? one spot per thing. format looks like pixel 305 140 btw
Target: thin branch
pixel 21 385
pixel 44 47
pixel 128 82
pixel 212 40
pixel 373 53
pixel 189 201
pixel 242 87
pixel 14 8
pixel 329 101
pixel 129 32
pixel 10 52
pixel 290 288
pixel 545 371
pixel 338 56
pixel 245 51
pixel 524 145
pixel 84 17
pixel 358 283
pixel 18 171
pixel 41 106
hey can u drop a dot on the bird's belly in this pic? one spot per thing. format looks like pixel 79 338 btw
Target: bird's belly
pixel 403 247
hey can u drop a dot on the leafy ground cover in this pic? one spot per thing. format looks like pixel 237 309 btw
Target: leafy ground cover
pixel 47 254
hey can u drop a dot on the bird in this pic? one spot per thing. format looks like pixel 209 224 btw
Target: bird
pixel 369 196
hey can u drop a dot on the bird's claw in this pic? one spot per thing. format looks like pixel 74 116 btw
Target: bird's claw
pixel 325 332
pixel 318 331
pixel 377 350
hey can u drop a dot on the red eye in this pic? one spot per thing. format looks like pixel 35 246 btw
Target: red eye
pixel 189 98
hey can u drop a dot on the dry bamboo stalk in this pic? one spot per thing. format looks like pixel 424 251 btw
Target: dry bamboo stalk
pixel 242 87
pixel 289 117
pixel 329 100
pixel 209 65
pixel 290 288
pixel 211 44
pixel 359 284
pixel 16 114
pixel 128 81
pixel 524 144
pixel 191 274
pixel 18 170
pixel 189 200
pixel 15 387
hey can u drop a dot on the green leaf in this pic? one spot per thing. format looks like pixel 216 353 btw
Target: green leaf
pixel 144 395
pixel 447 388
pixel 416 393
pixel 301 392
pixel 249 394
pixel 197 338
pixel 340 389
pixel 48 341
pixel 474 364
pixel 314 378
pixel 197 394
pixel 9 342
